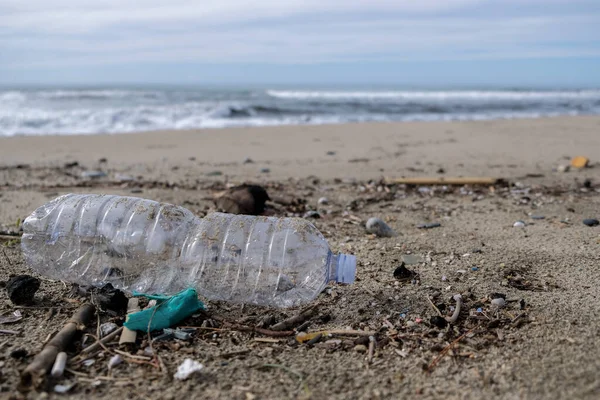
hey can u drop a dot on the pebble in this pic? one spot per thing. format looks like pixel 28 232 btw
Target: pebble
pixel 403 273
pixel 379 228
pixel 429 225
pixel 312 214
pixel 537 217
pixel 323 201
pixel 107 328
pixel 93 174
pixel 214 173
pixel 331 153
pixel 499 302
pixel 114 361
pixel 411 259
pixel 265 170
pixel 474 269
pixel 563 168
pixel 438 321
pixel 591 222
pixel 248 160
pixel 360 348
pixel 519 224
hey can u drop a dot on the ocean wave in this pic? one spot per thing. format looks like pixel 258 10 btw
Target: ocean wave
pixel 85 111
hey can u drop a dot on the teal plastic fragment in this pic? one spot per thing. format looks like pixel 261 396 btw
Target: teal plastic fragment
pixel 169 311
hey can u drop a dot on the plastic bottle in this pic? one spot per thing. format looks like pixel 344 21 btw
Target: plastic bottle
pixel 150 247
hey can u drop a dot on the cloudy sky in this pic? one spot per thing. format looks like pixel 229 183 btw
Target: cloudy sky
pixel 403 42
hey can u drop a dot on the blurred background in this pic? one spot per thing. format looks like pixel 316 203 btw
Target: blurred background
pixel 108 66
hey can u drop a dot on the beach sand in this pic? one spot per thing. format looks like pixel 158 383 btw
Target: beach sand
pixel 542 345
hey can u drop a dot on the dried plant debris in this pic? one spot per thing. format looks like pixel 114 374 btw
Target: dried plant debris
pixel 521 279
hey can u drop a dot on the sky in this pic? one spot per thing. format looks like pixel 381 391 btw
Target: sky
pixel 553 43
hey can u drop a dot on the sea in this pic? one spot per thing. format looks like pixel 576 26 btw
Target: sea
pixel 101 110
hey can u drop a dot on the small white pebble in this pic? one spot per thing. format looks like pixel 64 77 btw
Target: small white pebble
pixel 379 228
pixel 323 201
pixel 114 361
pixel 519 224
pixel 499 302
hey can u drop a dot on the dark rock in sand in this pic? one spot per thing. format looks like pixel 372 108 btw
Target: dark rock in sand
pixel 438 321
pixel 243 199
pixel 402 273
pixel 591 222
pixel 22 288
pixel 429 226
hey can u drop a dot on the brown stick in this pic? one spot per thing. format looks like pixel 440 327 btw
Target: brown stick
pixel 35 372
pixel 266 332
pixel 294 321
pixel 484 180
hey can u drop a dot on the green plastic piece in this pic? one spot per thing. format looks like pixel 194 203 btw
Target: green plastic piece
pixel 169 311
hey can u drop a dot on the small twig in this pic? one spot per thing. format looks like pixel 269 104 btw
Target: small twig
pixel 296 320
pixel 6 256
pixel 371 349
pixel 446 350
pixel 99 343
pixel 454 317
pixel 437 310
pixel 8 332
pixel 304 337
pixel 262 331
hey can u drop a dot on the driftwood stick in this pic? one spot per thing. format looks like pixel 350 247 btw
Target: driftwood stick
pixel 484 180
pixel 35 372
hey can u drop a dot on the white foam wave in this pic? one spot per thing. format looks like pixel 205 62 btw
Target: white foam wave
pixel 436 95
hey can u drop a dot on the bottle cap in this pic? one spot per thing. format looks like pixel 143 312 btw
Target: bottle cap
pixel 346 268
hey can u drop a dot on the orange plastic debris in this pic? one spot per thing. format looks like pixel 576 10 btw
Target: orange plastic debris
pixel 580 162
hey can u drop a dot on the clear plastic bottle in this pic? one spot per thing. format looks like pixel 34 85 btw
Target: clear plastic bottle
pixel 150 247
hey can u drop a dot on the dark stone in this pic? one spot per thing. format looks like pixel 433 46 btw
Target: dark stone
pixel 71 164
pixel 22 288
pixel 19 353
pixel 591 222
pixel 522 304
pixel 429 226
pixel 493 324
pixel 103 160
pixel 497 296
pixel 110 299
pixel 537 217
pixel 402 273
pixel 438 321
pixel 475 251
pixel 587 183
pixel 331 153
pixel 243 199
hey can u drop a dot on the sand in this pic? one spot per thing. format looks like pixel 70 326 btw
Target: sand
pixel 543 344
